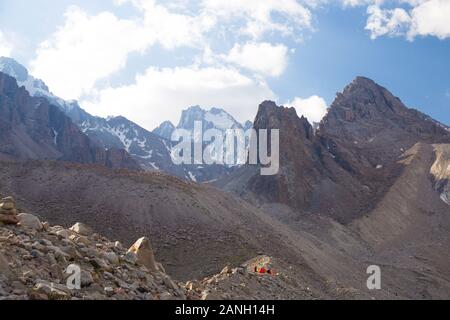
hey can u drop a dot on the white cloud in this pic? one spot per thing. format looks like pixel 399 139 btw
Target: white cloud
pixel 392 22
pixel 262 58
pixel 355 3
pixel 161 94
pixel 90 48
pixel 172 29
pixel 5 46
pixel 431 18
pixel 422 18
pixel 85 50
pixel 313 108
pixel 258 16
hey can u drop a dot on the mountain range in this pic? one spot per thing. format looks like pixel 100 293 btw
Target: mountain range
pixel 349 162
pixel 150 150
pixel 367 186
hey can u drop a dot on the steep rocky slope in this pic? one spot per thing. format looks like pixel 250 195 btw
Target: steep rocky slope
pixel 441 172
pixel 309 178
pixel 367 129
pixel 37 261
pixel 371 183
pixel 195 229
pixel 32 128
pixel 346 166
pixel 409 228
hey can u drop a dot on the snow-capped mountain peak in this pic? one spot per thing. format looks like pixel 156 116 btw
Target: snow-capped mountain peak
pixel 35 87
pixel 215 118
pixel 14 69
pixel 248 125
pixel 165 130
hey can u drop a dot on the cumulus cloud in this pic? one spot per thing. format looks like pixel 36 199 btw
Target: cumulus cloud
pixel 161 94
pixel 355 3
pixel 263 58
pixel 5 45
pixel 88 48
pixel 431 18
pixel 313 108
pixel 418 18
pixel 85 50
pixel 258 16
pixel 170 28
pixel 391 22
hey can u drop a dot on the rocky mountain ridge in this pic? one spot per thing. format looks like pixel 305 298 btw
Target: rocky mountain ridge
pixel 346 165
pixel 150 150
pixel 32 128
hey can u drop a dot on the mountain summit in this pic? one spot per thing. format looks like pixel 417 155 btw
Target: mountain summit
pixel 165 130
pixel 349 163
pixel 215 118
pixel 14 69
pixel 33 128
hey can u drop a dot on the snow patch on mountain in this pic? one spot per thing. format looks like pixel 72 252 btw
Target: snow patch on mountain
pixel 445 198
pixel 121 133
pixel 192 176
pixel 55 137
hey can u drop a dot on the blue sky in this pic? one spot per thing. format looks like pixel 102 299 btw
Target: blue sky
pixel 148 59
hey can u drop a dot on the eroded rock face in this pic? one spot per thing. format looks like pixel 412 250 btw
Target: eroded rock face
pixel 346 166
pixel 367 126
pixel 38 260
pixel 440 172
pixel 309 178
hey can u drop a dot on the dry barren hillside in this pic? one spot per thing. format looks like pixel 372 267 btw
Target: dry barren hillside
pixel 196 230
pixel 409 230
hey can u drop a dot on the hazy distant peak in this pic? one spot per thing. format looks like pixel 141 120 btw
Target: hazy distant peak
pixel 14 69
